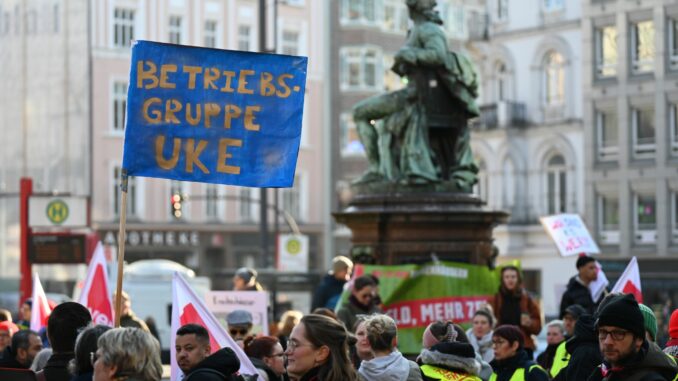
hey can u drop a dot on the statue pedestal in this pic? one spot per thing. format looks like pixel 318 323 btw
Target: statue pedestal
pixel 392 228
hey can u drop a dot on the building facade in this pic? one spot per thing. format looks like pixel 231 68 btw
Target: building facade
pixel 630 77
pixel 528 141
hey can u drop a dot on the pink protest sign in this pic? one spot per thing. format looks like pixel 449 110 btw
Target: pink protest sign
pixel 569 234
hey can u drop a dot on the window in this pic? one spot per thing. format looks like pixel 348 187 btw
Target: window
pixel 608 219
pixel 673 43
pixel 350 141
pixel 509 187
pixel 642 124
pixel 132 194
pixel 502 10
pixel 360 67
pixel 395 16
pixel 553 5
pixel 455 21
pixel 123 27
pixel 645 218
pixel 119 105
pixel 290 43
pixel 249 204
pixel 674 215
pixel 391 80
pixel 502 81
pixel 554 79
pixel 363 11
pixel 556 185
pixel 481 187
pixel 244 38
pixel 175 29
pixel 673 128
pixel 607 134
pixel 291 199
pixel 606 51
pixel 642 47
pixel 212 201
pixel 210 34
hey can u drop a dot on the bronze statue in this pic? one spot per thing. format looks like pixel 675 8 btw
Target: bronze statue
pixel 419 135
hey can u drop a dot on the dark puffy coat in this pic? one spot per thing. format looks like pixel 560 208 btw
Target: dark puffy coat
pixel 221 365
pixel 328 292
pixel 584 351
pixel 650 364
pixel 577 293
pixel 504 369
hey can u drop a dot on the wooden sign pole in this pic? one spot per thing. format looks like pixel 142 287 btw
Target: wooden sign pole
pixel 121 246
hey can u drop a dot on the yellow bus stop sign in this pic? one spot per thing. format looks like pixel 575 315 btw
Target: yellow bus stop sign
pixel 57 211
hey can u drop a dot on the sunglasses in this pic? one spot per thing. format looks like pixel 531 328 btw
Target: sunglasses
pixel 241 331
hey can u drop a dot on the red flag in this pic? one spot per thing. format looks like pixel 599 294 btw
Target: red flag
pixel 629 282
pixel 40 309
pixel 95 293
pixel 188 308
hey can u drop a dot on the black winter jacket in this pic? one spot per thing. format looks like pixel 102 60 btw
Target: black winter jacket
pixel 221 365
pixel 577 293
pixel 650 364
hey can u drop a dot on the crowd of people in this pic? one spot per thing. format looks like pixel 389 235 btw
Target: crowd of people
pixel 609 339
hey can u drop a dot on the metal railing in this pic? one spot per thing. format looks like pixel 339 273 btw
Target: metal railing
pixel 502 114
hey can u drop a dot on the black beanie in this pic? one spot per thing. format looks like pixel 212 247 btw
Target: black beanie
pixel 622 311
pixel 584 260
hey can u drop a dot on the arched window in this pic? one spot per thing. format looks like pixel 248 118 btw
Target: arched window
pixel 556 185
pixel 481 188
pixel 509 184
pixel 502 90
pixel 554 78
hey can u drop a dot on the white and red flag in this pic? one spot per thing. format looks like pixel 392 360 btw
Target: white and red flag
pixel 629 282
pixel 188 308
pixel 40 309
pixel 597 287
pixel 95 293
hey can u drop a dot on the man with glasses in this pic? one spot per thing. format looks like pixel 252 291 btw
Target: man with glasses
pixel 627 355
pixel 239 325
pixel 192 346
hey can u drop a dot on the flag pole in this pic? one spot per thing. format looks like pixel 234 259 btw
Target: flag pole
pixel 121 245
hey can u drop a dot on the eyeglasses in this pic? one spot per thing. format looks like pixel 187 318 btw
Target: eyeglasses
pixel 617 334
pixel 293 345
pixel 93 357
pixel 241 332
pixel 498 342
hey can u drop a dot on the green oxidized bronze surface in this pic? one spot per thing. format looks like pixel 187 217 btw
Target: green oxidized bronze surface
pixel 417 138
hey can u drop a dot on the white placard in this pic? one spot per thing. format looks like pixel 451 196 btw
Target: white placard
pixel 67 212
pixel 293 252
pixel 221 303
pixel 569 234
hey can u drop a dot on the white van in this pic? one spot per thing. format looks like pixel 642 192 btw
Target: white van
pixel 149 285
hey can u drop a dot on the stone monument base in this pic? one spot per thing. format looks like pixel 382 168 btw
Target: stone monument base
pixel 394 227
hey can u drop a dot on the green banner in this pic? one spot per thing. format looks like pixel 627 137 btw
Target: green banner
pixel 417 295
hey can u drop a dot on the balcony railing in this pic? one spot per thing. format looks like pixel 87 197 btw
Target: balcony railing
pixel 478 26
pixel 502 114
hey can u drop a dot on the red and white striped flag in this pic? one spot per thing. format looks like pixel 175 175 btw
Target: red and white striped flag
pixel 629 282
pixel 40 309
pixel 95 293
pixel 188 308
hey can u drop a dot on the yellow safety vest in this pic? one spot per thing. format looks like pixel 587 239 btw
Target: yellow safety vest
pixel 518 375
pixel 436 373
pixel 560 360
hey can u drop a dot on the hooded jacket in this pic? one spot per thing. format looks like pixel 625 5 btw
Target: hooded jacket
pixel 393 367
pixel 584 351
pixel 649 364
pixel 328 292
pixel 458 358
pixel 577 293
pixel 219 366
pixel 504 369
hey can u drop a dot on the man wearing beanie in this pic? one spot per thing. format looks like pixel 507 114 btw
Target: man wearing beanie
pixel 627 355
pixel 578 291
pixel 671 347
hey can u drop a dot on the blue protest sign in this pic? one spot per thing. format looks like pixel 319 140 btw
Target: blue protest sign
pixel 214 116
